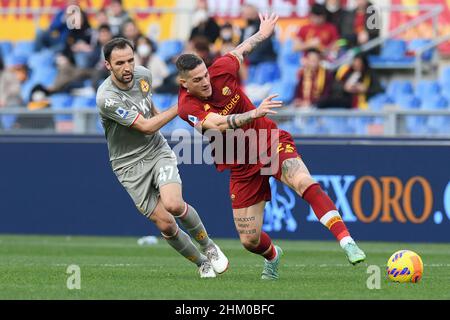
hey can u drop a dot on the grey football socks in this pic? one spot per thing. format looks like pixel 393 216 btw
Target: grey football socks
pixel 182 243
pixel 191 221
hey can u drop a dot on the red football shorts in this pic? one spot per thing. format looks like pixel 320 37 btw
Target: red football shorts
pixel 248 191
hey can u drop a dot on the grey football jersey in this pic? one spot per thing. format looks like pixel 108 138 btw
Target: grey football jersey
pixel 118 110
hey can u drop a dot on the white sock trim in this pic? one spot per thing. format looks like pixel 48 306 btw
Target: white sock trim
pixel 328 216
pixel 346 240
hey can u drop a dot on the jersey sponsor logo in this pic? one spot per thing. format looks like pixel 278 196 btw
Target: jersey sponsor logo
pixel 145 86
pixel 143 106
pixel 207 107
pixel 109 102
pixel 193 119
pixel 226 91
pixel 122 112
pixel 230 105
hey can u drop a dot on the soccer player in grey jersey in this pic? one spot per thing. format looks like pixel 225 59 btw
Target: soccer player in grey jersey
pixel 143 161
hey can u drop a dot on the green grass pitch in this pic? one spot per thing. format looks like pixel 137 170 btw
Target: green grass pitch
pixel 34 267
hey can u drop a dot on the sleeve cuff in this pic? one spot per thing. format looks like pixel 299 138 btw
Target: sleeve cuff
pixel 135 120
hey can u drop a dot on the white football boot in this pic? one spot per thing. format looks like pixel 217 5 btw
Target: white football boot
pixel 206 270
pixel 217 258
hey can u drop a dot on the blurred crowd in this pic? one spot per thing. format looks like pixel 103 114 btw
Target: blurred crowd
pixel 331 31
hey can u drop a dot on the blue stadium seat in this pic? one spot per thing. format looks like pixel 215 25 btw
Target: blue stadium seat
pixel 84 102
pixel 393 55
pixel 265 72
pixel 408 101
pixel 44 75
pixel 445 76
pixel 434 102
pixel 377 102
pixel 24 48
pixel 414 124
pixel 399 87
pixel 437 124
pixel 286 91
pixel 60 101
pixel 416 44
pixel 169 48
pixel 7 121
pixel 44 58
pixel 427 89
pixel 164 101
pixel 5 48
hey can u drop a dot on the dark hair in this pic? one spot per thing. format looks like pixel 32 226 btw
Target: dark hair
pixel 318 10
pixel 116 43
pixel 188 62
pixel 313 50
pixel 364 60
pixel 104 27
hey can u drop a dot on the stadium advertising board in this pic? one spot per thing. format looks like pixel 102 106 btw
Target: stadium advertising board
pixel 383 192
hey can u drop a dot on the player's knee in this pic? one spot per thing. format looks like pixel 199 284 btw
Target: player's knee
pixel 168 228
pixel 250 243
pixel 302 182
pixel 174 205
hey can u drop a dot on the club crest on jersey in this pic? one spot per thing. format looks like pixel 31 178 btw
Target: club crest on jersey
pixel 226 91
pixel 193 119
pixel 122 112
pixel 145 86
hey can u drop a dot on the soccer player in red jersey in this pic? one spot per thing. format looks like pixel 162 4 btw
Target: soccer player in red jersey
pixel 211 100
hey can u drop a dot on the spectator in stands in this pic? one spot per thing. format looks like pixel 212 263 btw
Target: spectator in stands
pixel 228 39
pixel 335 13
pixel 264 52
pixel 200 45
pixel 11 78
pixel 354 84
pixel 129 30
pixel 78 43
pixel 54 37
pixel 314 81
pixel 69 76
pixel 117 16
pixel 39 100
pixel 318 34
pixel 203 24
pixel 226 42
pixel 101 19
pixel 100 72
pixel 358 25
pixel 145 56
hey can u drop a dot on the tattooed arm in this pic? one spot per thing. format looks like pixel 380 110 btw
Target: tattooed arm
pixel 266 29
pixel 234 121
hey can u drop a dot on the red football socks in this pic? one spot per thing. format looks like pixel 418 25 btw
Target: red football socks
pixel 265 247
pixel 325 210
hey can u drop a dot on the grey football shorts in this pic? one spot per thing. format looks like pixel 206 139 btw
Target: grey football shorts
pixel 143 179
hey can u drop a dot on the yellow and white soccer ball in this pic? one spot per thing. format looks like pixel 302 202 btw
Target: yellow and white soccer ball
pixel 405 266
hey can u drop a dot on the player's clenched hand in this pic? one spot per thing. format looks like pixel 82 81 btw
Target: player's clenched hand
pixel 267 106
pixel 267 25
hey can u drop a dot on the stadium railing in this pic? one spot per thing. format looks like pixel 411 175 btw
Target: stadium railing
pixel 389 122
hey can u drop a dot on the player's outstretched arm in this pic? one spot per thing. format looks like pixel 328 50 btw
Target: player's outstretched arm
pixel 266 29
pixel 152 125
pixel 218 122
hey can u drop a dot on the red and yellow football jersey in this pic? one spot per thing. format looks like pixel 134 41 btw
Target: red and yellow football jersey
pixel 227 98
